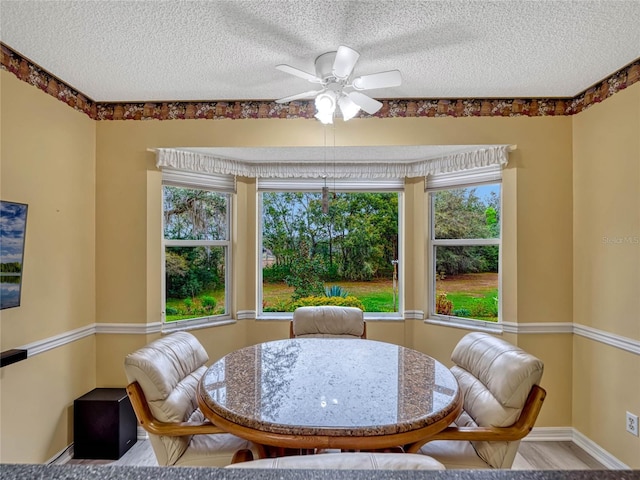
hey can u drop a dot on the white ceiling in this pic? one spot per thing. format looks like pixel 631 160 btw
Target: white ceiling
pixel 227 50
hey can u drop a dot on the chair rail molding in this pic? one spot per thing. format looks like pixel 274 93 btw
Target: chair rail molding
pixel 129 328
pixel 538 327
pixel 41 346
pixel 618 341
pixel 611 339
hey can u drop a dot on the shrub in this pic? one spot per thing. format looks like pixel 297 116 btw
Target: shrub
pixel 208 303
pixel 275 273
pixel 335 291
pixel 484 308
pixel 171 311
pixel 462 312
pixel 357 271
pixel 313 301
pixel 332 273
pixel 444 306
pixel 305 275
pixel 188 303
pixel 279 306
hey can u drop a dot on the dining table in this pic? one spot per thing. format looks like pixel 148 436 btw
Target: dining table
pixel 329 393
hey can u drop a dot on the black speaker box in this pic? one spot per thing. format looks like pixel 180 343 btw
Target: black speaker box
pixel 104 424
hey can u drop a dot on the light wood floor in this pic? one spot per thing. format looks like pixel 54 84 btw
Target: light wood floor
pixel 531 456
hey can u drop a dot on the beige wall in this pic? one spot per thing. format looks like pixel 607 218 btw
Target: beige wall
pixel 537 264
pixel 606 276
pixel 540 267
pixel 48 162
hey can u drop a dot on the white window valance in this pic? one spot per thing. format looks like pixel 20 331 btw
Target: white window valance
pixel 183 178
pixel 475 176
pixel 343 162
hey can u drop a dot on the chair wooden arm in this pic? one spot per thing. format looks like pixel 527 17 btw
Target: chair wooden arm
pixel 244 455
pixel 156 427
pixel 516 431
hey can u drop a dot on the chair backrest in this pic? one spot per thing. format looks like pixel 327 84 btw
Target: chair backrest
pixel 328 321
pixel 495 379
pixel 168 371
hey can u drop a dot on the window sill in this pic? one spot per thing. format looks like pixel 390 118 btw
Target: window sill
pixel 371 317
pixel 466 324
pixel 195 324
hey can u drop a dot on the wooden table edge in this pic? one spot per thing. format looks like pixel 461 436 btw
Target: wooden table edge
pixel 347 442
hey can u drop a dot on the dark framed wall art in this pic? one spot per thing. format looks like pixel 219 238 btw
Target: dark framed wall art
pixel 13 224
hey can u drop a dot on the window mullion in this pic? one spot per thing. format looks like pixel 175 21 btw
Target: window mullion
pixel 465 241
pixel 196 243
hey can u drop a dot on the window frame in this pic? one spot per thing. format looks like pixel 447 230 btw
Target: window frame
pixel 344 185
pixel 223 185
pixel 472 178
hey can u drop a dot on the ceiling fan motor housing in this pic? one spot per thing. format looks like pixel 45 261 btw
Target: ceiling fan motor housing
pixel 324 67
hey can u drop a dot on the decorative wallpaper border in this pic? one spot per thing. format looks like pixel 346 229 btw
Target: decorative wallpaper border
pixel 34 75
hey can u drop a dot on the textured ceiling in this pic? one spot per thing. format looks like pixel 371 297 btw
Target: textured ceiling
pixel 227 50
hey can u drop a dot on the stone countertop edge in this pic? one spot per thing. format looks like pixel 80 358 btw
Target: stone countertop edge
pixel 102 472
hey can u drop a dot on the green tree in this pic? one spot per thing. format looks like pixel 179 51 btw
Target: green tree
pixel 355 240
pixel 11 267
pixel 192 214
pixel 306 275
pixel 460 213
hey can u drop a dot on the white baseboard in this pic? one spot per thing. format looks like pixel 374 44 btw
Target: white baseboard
pixel 570 434
pixel 62 457
pixel 550 434
pixel 538 434
pixel 142 433
pixel 597 452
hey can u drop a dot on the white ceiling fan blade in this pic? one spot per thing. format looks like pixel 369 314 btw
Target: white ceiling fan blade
pixel 366 103
pixel 298 73
pixel 299 96
pixel 344 62
pixel 392 78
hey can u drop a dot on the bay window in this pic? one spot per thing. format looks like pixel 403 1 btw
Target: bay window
pixel 464 245
pixel 340 246
pixel 196 240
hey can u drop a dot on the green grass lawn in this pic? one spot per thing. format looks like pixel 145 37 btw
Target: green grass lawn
pixel 474 293
pixel 376 296
pixel 464 301
pixel 179 305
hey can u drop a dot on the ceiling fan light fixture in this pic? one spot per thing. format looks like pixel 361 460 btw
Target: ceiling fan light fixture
pixel 333 71
pixel 325 118
pixel 326 103
pixel 348 108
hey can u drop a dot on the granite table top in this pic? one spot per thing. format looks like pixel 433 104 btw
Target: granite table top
pixel 330 387
pixel 99 472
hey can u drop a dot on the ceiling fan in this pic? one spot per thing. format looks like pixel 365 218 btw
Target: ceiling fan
pixel 333 74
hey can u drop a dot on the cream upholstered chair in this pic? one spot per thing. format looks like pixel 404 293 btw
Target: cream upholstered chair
pixel 347 461
pixel 502 399
pixel 163 378
pixel 328 321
